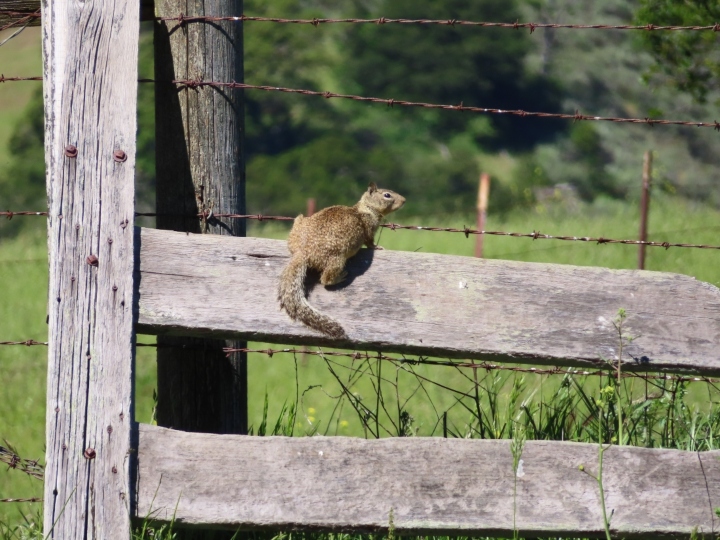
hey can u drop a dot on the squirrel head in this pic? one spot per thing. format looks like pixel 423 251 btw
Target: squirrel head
pixel 381 200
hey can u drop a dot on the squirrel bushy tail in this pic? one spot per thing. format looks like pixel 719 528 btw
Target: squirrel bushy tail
pixel 291 294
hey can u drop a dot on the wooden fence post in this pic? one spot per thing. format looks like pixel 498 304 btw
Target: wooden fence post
pixel 644 206
pixel 200 169
pixel 90 91
pixel 483 194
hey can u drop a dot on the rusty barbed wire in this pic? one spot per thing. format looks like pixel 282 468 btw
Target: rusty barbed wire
pixel 208 216
pixel 535 235
pixel 24 17
pixel 483 365
pixel 31 467
pixel 532 26
pixel 26 343
pixel 317 21
pixel 27 500
pixel 391 102
pixel 3 79
pixel 422 360
pixel 22 14
pixel 9 214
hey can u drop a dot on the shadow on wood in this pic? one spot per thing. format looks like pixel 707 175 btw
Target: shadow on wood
pixel 439 305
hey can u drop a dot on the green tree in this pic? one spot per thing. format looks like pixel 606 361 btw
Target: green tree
pixel 443 64
pixel 289 55
pixel 690 59
pixel 22 185
pixel 332 169
pixel 586 149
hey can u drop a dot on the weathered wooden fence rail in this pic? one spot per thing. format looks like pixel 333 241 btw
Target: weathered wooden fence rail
pixel 437 305
pixel 429 485
pixel 440 306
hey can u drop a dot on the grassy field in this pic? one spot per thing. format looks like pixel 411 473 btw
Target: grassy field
pixel 339 396
pixel 318 387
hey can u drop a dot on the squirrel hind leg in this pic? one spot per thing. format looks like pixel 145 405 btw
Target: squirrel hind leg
pixel 334 271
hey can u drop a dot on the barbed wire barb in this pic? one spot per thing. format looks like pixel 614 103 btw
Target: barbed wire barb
pixel 23 18
pixel 27 343
pixel 517 25
pixel 478 364
pixel 391 102
pixel 31 467
pixel 535 235
pixel 199 83
pixel 422 360
pixel 382 21
pixel 9 214
pixel 3 79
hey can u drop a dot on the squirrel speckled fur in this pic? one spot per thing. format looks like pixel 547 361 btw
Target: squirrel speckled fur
pixel 324 242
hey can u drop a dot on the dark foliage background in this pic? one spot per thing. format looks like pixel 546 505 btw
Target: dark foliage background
pixel 299 147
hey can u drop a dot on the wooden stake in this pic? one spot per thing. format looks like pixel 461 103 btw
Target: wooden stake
pixel 310 207
pixel 90 91
pixel 482 204
pixel 644 205
pixel 200 169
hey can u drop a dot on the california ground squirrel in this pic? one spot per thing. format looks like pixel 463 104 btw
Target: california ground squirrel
pixel 324 242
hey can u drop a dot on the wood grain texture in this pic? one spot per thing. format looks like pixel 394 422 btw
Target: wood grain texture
pixel 432 485
pixel 437 305
pixel 200 167
pixel 90 90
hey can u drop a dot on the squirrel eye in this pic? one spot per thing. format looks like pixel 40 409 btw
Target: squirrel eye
pixel 387 195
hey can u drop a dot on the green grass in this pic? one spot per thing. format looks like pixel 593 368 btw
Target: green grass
pixel 416 399
pixel 317 387
pixel 671 219
pixel 23 286
pixel 23 296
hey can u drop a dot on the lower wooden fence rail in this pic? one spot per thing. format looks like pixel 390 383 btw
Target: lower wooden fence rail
pixel 424 485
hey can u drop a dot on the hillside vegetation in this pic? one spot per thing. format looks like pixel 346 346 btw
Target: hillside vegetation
pixel 300 147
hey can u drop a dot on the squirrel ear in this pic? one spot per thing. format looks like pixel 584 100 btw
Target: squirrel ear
pixel 372 188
